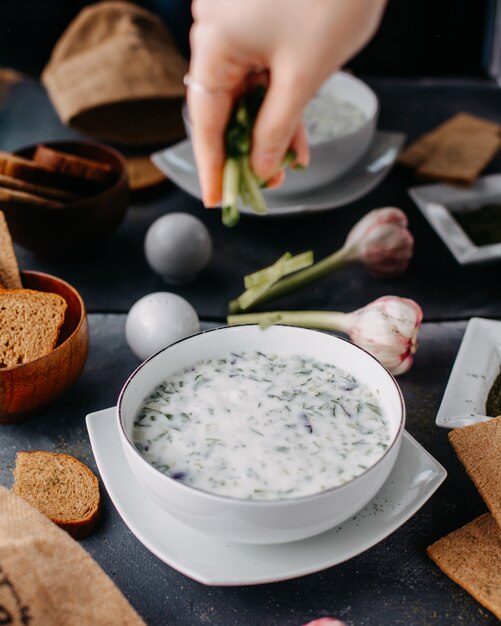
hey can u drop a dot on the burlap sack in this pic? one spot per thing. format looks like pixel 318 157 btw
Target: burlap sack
pixel 47 579
pixel 115 74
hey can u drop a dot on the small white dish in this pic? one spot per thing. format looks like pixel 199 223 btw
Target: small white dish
pixel 210 561
pixel 178 163
pixel 477 365
pixel 438 203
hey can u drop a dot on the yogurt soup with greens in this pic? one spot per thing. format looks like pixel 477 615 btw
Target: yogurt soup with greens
pixel 261 426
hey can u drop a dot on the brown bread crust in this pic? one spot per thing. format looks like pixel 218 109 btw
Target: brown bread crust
pixel 61 487
pixel 9 270
pixel 30 322
pixel 72 165
pixel 16 184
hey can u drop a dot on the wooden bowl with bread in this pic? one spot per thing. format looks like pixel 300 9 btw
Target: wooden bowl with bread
pixel 63 198
pixel 45 317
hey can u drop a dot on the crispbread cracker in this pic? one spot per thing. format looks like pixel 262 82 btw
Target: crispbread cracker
pixel 479 449
pixel 471 557
pixel 419 151
pixel 9 270
pixel 459 158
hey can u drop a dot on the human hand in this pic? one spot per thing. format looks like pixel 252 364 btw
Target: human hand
pixel 299 43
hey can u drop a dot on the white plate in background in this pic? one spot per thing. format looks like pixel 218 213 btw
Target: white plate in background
pixel 415 477
pixel 438 203
pixel 178 163
pixel 477 365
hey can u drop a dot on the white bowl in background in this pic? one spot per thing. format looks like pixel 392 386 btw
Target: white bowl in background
pixel 261 521
pixel 332 158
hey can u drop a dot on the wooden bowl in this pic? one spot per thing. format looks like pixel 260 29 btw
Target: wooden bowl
pixel 27 388
pixel 80 225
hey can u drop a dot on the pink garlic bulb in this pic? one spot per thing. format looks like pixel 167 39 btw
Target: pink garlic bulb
pixel 387 328
pixel 382 242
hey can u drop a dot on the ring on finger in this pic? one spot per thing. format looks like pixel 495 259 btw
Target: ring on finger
pixel 199 87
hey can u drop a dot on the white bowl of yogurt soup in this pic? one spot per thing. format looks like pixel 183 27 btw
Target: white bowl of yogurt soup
pixel 340 123
pixel 261 436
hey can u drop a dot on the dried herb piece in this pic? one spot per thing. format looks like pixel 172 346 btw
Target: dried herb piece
pixel 483 225
pixel 493 404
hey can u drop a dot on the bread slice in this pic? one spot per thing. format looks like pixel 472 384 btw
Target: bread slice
pixel 8 182
pixel 72 165
pixel 30 322
pixel 24 169
pixel 471 557
pixel 13 196
pixel 9 270
pixel 61 487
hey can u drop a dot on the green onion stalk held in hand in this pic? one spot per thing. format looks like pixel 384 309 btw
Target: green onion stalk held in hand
pixel 381 241
pixel 387 327
pixel 239 181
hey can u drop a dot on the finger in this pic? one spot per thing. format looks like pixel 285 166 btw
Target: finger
pixel 208 121
pixel 276 180
pixel 276 125
pixel 300 146
pixel 209 113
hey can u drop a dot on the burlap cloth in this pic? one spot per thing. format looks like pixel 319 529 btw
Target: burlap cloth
pixel 47 579
pixel 116 74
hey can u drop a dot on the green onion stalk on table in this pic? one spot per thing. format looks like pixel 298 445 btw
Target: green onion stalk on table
pixel 387 327
pixel 380 241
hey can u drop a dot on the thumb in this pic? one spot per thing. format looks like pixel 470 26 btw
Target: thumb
pixel 277 123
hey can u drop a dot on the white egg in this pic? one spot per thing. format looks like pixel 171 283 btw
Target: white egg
pixel 157 320
pixel 177 246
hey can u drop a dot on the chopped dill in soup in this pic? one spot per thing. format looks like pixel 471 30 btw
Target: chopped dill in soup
pixel 262 426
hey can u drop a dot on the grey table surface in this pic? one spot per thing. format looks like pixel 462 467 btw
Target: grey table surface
pixel 114 277
pixel 392 583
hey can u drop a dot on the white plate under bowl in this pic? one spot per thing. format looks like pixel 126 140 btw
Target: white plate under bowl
pixel 438 203
pixel 416 475
pixel 178 163
pixel 477 365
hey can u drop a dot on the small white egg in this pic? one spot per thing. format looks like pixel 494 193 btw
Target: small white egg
pixel 178 246
pixel 157 320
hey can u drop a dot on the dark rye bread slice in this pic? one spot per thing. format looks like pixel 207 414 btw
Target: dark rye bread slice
pixel 74 166
pixel 471 557
pixel 61 487
pixel 9 270
pixel 479 449
pixel 31 172
pixel 30 322
pixel 8 182
pixel 12 196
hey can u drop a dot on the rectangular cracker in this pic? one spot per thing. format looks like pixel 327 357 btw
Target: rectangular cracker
pixel 9 270
pixel 479 449
pixel 419 151
pixel 471 557
pixel 460 158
